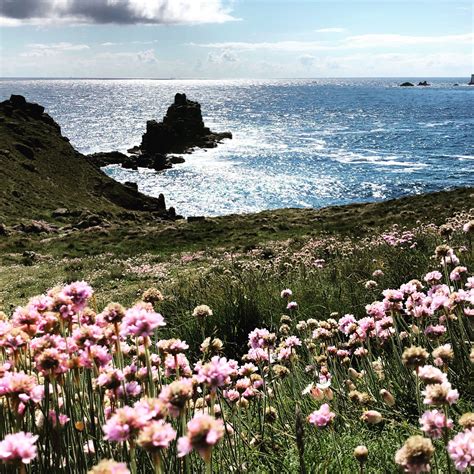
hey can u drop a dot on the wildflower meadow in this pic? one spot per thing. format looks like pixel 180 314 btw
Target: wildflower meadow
pixel 336 356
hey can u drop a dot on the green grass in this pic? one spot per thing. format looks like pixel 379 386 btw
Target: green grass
pixel 240 278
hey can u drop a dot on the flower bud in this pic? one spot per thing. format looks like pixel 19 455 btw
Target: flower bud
pixel 372 417
pixel 361 453
pixel 387 397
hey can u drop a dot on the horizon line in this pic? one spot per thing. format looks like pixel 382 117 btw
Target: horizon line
pixel 222 78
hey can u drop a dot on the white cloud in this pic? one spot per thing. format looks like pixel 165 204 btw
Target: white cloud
pixel 330 30
pixel 41 12
pixel 390 40
pixel 146 57
pixel 222 57
pixel 110 44
pixel 275 46
pixel 351 42
pixel 51 49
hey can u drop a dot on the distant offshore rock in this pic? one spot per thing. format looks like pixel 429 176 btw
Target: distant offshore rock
pixel 424 84
pixel 407 84
pixel 181 130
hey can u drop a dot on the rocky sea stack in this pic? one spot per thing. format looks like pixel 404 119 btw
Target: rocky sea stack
pixel 45 179
pixel 181 130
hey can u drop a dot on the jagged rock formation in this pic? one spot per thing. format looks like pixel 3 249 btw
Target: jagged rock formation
pixel 181 130
pixel 471 82
pixel 424 83
pixel 44 178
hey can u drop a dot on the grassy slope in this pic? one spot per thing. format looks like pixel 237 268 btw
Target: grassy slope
pixel 104 257
pixel 56 176
pixel 244 231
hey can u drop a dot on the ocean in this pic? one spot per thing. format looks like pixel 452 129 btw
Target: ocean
pixel 297 143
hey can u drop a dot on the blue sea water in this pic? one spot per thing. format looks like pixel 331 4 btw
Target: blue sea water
pixel 297 143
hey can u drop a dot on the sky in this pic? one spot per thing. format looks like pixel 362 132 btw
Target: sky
pixel 220 39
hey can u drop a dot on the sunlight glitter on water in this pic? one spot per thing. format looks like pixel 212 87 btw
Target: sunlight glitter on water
pixel 297 143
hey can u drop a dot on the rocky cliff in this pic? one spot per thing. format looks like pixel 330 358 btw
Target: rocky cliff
pixel 181 130
pixel 43 176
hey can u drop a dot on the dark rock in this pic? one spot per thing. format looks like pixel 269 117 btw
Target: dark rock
pixel 29 258
pixel 174 160
pixel 130 164
pixel 25 150
pixel 36 227
pixel 18 106
pixel 455 85
pixel 60 212
pixel 181 129
pixel 424 84
pixel 180 99
pixel 35 110
pixel 92 220
pixel 107 158
pixel 131 185
pixel 161 200
pixel 156 161
pixel 471 82
pixel 17 100
pixel 29 133
pixel 406 84
pixel 3 230
pixel 196 218
pixel 223 135
pixel 134 150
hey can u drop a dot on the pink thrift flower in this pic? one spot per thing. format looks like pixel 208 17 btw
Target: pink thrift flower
pixel 215 373
pixel 261 338
pixel 140 321
pixel 433 277
pixel 292 341
pixel 18 447
pixel 109 466
pixel 204 432
pixel 440 394
pixel 182 365
pixel 347 324
pixel 292 305
pixel 286 293
pixel 435 331
pixel 124 424
pixel 434 422
pixel 322 417
pixel 78 293
pixel 429 374
pixel 461 450
pixel 156 435
pixel 457 273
